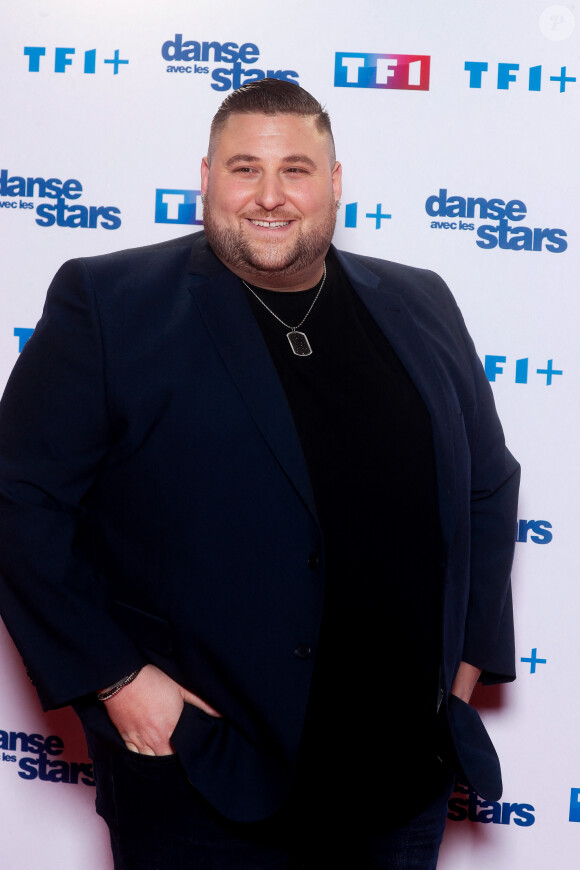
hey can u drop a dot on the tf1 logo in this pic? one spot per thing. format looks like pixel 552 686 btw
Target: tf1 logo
pixel 178 206
pixel 401 72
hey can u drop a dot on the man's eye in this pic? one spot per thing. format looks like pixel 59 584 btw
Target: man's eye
pixel 244 170
pixel 295 170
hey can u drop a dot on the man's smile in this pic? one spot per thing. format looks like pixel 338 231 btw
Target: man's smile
pixel 271 225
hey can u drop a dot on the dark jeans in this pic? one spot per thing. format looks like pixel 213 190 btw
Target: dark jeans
pixel 158 821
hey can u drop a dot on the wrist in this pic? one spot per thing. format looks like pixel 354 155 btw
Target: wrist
pixel 111 691
pixel 465 681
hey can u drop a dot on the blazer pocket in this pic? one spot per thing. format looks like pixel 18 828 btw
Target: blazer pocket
pixel 240 779
pixel 477 759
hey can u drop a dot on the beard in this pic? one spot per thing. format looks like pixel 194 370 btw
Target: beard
pixel 257 260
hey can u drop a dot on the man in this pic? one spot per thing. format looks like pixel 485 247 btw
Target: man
pixel 254 494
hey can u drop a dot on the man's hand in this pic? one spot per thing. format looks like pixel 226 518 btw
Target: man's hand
pixel 146 711
pixel 464 682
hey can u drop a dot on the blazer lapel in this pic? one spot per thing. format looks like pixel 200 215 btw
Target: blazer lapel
pixel 392 316
pixel 237 337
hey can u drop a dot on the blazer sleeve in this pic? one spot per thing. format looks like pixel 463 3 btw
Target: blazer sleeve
pixel 495 475
pixel 54 434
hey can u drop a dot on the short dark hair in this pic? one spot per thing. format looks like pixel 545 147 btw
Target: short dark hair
pixel 270 97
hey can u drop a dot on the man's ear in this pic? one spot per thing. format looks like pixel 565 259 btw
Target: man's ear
pixel 337 180
pixel 204 174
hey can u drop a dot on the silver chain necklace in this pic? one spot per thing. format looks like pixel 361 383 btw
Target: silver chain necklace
pixel 298 340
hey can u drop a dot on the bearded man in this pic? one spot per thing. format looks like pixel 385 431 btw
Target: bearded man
pixel 257 518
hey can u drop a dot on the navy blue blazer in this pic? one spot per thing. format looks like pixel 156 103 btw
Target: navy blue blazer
pixel 155 504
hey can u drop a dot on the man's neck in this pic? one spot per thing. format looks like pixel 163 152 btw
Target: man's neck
pixel 283 280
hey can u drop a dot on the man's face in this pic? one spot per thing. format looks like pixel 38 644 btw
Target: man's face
pixel 271 193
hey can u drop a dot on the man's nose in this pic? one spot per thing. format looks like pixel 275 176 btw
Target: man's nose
pixel 270 192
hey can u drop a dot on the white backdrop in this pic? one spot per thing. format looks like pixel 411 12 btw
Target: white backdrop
pixel 106 96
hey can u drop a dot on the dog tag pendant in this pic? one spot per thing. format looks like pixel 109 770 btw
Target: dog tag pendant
pixel 299 343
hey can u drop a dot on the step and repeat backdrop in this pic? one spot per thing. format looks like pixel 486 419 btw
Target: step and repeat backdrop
pixel 457 126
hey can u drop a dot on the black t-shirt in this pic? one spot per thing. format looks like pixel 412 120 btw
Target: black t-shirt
pixel 366 437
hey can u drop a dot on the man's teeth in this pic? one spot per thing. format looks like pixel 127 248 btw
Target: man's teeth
pixel 270 224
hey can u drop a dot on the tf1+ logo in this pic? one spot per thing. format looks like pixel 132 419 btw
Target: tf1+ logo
pixel 63 58
pixel 494 366
pixel 508 73
pixel 401 72
pixel 178 206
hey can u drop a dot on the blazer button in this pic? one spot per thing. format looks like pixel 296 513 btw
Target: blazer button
pixel 313 561
pixel 302 651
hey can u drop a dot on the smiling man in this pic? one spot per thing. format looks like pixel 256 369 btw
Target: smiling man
pixel 257 525
pixel 270 212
